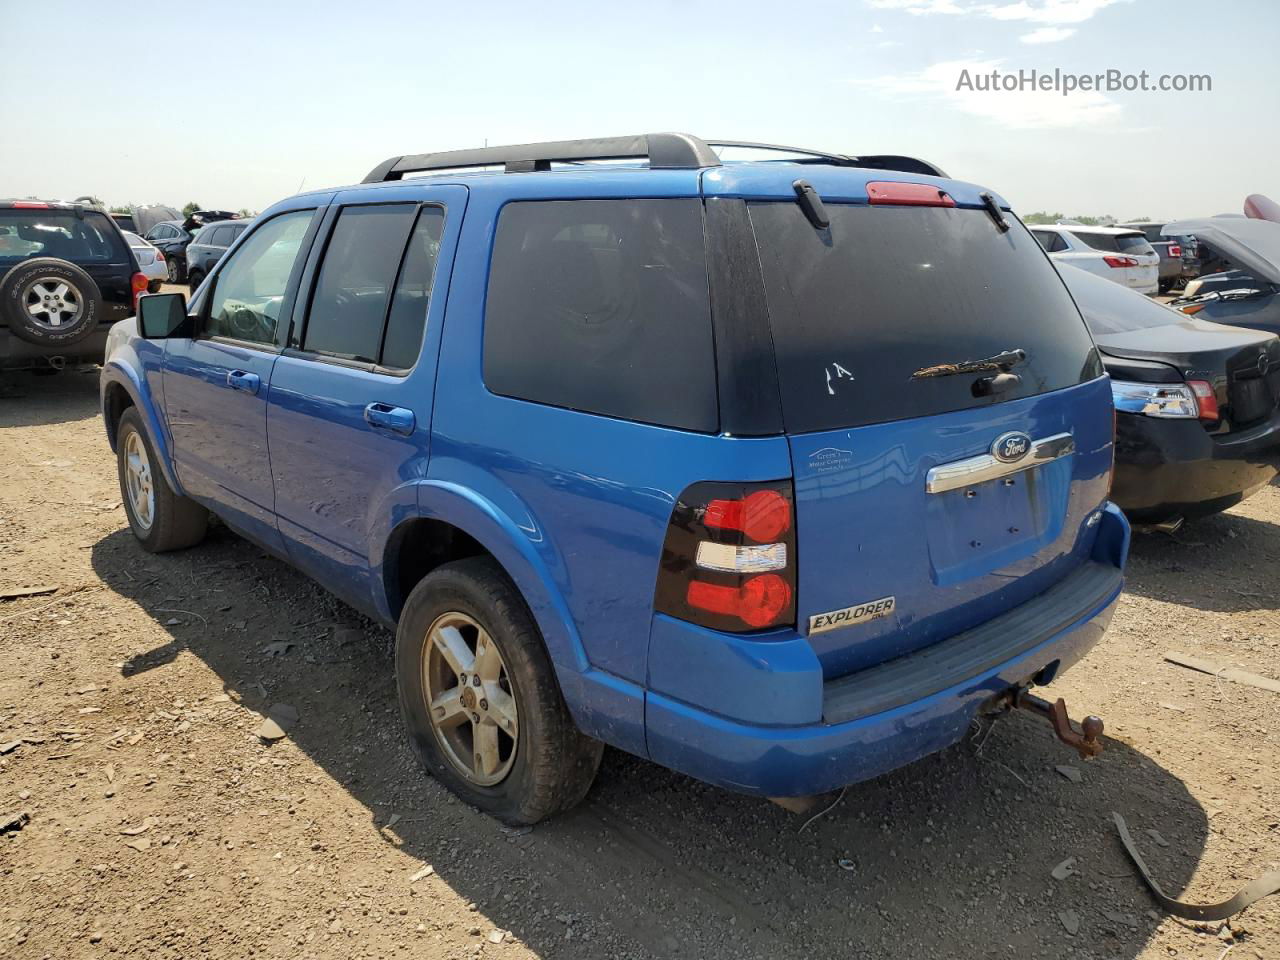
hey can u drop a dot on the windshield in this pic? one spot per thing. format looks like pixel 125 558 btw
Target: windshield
pixel 859 311
pixel 81 238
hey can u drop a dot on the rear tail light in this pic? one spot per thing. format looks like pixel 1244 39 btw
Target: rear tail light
pixel 139 284
pixel 1206 399
pixel 1175 250
pixel 159 255
pixel 728 562
pixel 1191 309
pixel 1120 261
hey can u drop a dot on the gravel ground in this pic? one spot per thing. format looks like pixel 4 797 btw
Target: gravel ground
pixel 161 826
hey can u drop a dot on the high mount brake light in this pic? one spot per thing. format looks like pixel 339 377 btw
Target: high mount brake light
pixel 728 561
pixel 29 205
pixel 908 194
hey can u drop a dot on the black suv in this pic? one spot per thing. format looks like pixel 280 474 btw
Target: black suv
pixel 66 275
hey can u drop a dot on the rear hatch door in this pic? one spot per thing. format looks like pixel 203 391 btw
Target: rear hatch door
pixel 881 325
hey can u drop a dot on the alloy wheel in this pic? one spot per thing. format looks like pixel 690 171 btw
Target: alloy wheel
pixel 469 699
pixel 137 480
pixel 52 302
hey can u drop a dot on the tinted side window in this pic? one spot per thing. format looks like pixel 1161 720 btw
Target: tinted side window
pixel 250 287
pixel 408 316
pixel 355 282
pixel 220 237
pixel 602 306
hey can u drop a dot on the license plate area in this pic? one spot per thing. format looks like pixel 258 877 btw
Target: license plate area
pixel 981 527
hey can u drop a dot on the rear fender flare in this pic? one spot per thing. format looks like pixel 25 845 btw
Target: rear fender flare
pixel 493 529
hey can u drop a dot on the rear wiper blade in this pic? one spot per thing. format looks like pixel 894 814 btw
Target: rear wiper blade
pixel 1001 361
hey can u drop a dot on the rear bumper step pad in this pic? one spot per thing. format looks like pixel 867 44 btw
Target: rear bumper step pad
pixel 933 669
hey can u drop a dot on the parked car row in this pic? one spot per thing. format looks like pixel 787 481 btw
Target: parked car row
pixel 748 468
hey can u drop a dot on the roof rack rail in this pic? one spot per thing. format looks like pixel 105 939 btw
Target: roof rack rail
pixel 664 151
pixel 871 161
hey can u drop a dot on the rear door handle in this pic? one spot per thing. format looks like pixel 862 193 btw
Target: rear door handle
pixel 386 417
pixel 240 380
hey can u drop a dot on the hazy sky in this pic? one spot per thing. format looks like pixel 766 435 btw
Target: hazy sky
pixel 236 104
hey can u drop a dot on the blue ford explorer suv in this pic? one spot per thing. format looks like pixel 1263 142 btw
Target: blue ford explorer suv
pixel 776 472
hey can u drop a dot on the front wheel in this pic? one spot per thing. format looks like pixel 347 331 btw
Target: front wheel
pixel 160 519
pixel 194 279
pixel 480 699
pixel 175 270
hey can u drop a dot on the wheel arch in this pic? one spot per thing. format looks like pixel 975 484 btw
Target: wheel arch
pixel 452 522
pixel 120 389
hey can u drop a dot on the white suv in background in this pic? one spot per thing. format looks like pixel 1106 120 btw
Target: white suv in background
pixel 1122 255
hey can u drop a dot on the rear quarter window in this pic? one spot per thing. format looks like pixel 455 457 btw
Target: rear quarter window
pixel 862 310
pixel 602 306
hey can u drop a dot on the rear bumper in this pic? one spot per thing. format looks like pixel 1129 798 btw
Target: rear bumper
pixel 1167 469
pixel 890 715
pixel 18 354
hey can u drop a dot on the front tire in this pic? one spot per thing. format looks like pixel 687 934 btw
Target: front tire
pixel 480 700
pixel 194 279
pixel 176 272
pixel 160 519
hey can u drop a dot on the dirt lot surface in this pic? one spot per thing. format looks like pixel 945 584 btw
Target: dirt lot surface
pixel 161 826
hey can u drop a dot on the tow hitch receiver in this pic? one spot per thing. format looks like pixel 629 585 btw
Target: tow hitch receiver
pixel 1086 740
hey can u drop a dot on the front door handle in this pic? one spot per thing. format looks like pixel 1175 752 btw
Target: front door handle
pixel 240 380
pixel 386 417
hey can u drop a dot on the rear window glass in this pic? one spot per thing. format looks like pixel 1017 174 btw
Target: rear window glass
pixel 1109 307
pixel 1117 243
pixel 862 310
pixel 87 238
pixel 603 306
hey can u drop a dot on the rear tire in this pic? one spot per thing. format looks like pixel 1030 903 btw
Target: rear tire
pixel 549 765
pixel 176 272
pixel 160 519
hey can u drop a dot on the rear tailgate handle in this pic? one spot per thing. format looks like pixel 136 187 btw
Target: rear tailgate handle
pixel 986 466
pixel 240 380
pixel 386 417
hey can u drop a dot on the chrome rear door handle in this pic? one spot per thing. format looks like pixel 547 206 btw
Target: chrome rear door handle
pixel 383 416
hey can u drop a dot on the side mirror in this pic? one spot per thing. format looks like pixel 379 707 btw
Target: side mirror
pixel 162 315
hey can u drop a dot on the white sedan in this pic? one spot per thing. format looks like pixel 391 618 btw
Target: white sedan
pixel 150 261
pixel 1114 253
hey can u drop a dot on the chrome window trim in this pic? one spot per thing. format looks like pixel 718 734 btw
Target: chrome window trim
pixel 984 467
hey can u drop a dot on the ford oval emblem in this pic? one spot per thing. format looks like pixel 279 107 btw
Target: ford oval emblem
pixel 1011 447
